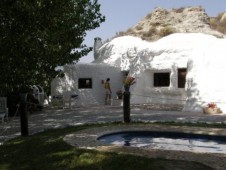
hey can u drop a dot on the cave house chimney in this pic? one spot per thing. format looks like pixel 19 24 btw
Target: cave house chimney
pixel 97 44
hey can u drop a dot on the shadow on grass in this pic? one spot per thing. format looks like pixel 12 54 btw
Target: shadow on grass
pixel 47 150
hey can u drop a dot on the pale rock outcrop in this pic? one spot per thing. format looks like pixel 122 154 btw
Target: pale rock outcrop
pixel 161 22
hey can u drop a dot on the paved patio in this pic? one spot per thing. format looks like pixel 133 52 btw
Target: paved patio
pixel 58 118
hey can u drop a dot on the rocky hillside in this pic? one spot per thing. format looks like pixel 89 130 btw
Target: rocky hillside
pixel 161 22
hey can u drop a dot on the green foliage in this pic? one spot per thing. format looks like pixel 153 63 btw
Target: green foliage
pixel 39 35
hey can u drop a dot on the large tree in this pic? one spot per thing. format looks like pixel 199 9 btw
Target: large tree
pixel 39 35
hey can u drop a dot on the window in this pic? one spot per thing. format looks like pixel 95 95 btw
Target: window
pixel 161 79
pixel 181 77
pixel 84 83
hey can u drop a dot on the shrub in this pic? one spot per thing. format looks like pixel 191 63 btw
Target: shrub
pixel 166 31
pixel 219 16
pixel 213 22
pixel 139 27
pixel 119 34
pixel 148 34
pixel 221 29
pixel 148 16
pixel 179 10
pixel 217 24
pixel 130 30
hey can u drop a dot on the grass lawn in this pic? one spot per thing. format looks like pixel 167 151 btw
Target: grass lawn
pixel 47 150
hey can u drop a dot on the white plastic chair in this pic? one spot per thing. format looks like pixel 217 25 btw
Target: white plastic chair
pixel 3 109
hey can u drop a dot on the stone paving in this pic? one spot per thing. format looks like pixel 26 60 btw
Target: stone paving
pixel 51 118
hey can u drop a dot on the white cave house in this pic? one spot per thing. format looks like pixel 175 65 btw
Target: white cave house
pixel 182 68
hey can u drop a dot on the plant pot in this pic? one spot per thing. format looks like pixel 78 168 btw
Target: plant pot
pixel 210 111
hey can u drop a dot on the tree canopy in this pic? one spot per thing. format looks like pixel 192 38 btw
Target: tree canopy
pixel 39 35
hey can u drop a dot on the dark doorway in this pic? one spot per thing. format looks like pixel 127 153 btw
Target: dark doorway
pixel 182 77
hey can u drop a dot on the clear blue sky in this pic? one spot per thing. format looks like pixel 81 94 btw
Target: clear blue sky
pixel 123 14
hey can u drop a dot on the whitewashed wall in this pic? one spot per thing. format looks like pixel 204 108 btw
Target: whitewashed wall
pixel 205 80
pixel 97 72
pixel 145 92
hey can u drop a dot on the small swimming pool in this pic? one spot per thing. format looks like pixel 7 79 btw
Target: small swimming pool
pixel 167 141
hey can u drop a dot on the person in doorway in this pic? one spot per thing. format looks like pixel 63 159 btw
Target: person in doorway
pixel 108 92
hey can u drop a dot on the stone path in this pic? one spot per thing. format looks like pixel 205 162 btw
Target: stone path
pixel 58 118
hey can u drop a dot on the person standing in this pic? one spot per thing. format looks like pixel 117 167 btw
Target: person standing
pixel 108 92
